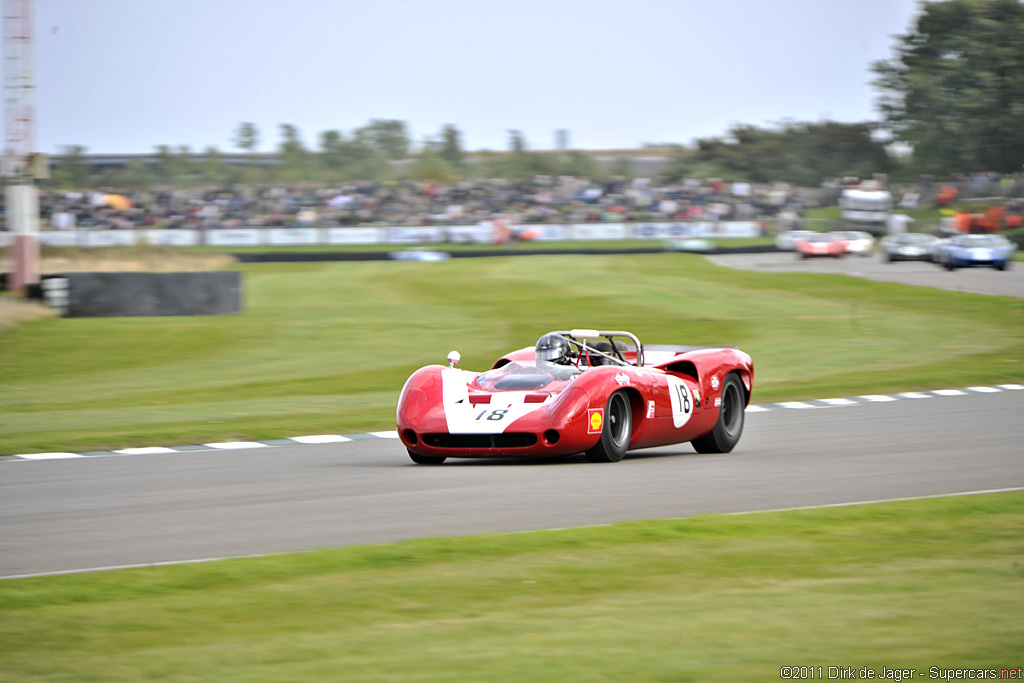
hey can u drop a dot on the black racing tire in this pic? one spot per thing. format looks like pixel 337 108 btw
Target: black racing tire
pixel 426 459
pixel 616 431
pixel 729 426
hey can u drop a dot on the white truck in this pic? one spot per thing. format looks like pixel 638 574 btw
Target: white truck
pixel 866 207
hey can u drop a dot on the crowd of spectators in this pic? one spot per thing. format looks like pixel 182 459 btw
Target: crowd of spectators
pixel 412 203
pixel 416 203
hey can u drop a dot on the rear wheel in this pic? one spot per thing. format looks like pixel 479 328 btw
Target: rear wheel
pixel 726 433
pixel 616 431
pixel 426 459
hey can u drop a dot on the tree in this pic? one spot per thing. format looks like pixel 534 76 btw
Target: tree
pixel 431 165
pixel 247 137
pixel 294 155
pixel 801 153
pixel 332 153
pixel 518 162
pixel 173 166
pixel 517 142
pixel 134 175
pixel 350 159
pixel 214 170
pixel 387 137
pixel 72 172
pixel 955 89
pixel 581 165
pixel 451 146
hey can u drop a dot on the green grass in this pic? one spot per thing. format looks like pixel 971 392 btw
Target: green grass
pixel 909 585
pixel 325 347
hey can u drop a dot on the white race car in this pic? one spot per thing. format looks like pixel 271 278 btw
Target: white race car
pixel 860 243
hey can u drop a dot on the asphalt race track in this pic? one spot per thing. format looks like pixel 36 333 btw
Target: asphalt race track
pixel 977 280
pixel 89 513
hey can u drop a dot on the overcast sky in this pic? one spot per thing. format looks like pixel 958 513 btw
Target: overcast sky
pixel 123 76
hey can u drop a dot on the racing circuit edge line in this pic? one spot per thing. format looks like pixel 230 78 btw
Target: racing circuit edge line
pixel 172 563
pixel 390 434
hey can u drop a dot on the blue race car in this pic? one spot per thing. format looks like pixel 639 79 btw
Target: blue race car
pixel 975 251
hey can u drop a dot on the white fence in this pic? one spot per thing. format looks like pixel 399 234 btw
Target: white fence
pixel 482 234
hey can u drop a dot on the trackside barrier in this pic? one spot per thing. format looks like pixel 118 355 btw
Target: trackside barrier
pixel 481 234
pixel 86 295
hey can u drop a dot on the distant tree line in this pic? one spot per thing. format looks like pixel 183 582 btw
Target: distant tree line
pixel 952 96
pixel 381 150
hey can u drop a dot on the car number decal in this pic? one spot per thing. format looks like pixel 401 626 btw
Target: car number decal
pixel 495 415
pixel 682 401
pixel 463 417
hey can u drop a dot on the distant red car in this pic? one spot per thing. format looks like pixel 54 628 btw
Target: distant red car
pixel 580 391
pixel 820 244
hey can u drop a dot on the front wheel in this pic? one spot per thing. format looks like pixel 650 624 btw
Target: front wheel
pixel 426 459
pixel 616 431
pixel 726 433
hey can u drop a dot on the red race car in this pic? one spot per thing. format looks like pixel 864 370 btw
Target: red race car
pixel 820 244
pixel 599 393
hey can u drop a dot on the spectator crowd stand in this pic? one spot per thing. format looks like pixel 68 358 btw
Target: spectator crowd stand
pixel 414 203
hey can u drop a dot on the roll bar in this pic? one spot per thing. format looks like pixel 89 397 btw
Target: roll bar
pixel 574 337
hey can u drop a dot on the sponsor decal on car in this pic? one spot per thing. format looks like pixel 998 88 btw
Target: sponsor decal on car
pixel 714 381
pixel 622 379
pixel 595 420
pixel 650 409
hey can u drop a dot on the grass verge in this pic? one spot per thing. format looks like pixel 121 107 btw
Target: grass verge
pixel 907 585
pixel 325 347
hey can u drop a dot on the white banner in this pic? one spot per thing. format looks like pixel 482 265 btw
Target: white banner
pixel 696 229
pixel 110 238
pixel 657 231
pixel 64 238
pixel 237 237
pixel 353 235
pixel 284 236
pixel 6 238
pixel 543 232
pixel 482 233
pixel 735 229
pixel 171 238
pixel 599 231
pixel 414 235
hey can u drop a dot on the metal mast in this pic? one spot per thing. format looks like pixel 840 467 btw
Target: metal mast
pixel 22 198
pixel 19 90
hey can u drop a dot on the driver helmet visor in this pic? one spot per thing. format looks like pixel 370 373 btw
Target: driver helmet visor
pixel 550 352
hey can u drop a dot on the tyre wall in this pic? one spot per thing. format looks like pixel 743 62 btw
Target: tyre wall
pixel 83 295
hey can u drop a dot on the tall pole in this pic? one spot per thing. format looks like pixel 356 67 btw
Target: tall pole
pixel 22 198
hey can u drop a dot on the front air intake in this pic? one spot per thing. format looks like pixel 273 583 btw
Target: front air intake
pixel 511 440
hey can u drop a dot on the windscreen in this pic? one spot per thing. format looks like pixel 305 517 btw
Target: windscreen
pixel 522 376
